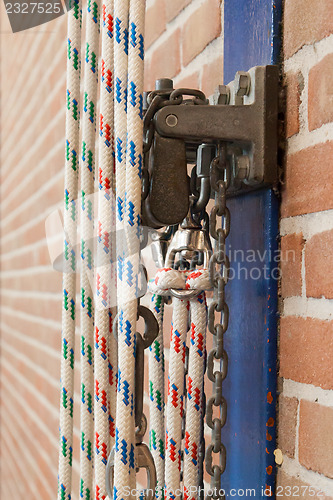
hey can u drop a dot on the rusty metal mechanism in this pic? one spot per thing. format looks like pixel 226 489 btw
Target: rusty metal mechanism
pixel 182 127
pixel 232 143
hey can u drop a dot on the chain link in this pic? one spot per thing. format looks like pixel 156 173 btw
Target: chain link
pixel 219 227
pixel 219 275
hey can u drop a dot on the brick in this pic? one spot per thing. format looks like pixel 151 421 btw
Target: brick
pixel 37 256
pixel 38 281
pixel 316 437
pixel 292 487
pixel 320 99
pixel 29 398
pixel 173 7
pixel 167 319
pixel 23 236
pixel 306 351
pixel 48 198
pixel 155 22
pixel 318 265
pixel 33 328
pixel 309 181
pixel 165 60
pixel 287 425
pixel 293 83
pixel 39 179
pixel 305 23
pixel 212 76
pixel 147 85
pixel 291 264
pixel 200 29
pixel 40 307
pixel 191 81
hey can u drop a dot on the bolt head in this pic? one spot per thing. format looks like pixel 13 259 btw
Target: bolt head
pixel 223 94
pixel 242 83
pixel 242 167
pixel 164 84
pixel 171 120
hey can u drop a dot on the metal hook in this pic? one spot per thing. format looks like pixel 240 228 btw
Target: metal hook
pixel 151 326
pixel 144 461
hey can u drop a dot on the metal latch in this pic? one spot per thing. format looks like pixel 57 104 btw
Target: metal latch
pixel 243 114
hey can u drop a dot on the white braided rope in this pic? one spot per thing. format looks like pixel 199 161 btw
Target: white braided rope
pixel 87 170
pixel 156 397
pixel 105 344
pixel 196 369
pixel 70 228
pixel 184 280
pixel 128 131
pixel 124 444
pixel 128 70
pixel 175 401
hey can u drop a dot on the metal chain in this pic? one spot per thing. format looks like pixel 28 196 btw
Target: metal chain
pixel 218 271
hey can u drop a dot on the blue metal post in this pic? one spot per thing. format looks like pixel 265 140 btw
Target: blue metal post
pixel 251 38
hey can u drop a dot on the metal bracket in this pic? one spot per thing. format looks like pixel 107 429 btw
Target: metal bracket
pixel 243 113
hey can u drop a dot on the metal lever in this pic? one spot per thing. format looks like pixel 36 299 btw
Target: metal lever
pixel 168 200
pixel 142 343
pixel 251 122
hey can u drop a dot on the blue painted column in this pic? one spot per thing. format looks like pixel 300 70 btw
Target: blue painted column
pixel 251 38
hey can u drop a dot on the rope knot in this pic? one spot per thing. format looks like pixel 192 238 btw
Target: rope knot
pixel 168 278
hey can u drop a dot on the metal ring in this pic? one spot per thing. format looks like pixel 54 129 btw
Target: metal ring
pixel 210 468
pixel 184 294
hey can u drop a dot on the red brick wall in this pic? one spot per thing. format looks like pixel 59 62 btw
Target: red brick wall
pixel 184 43
pixel 32 159
pixel 306 328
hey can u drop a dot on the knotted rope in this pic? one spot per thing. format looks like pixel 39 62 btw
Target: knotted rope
pixel 165 280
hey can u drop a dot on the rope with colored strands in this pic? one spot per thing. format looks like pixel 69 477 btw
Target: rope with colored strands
pixel 198 280
pixel 175 401
pixel 70 228
pixel 87 171
pixel 156 397
pixel 128 127
pixel 105 343
pixel 129 28
pixel 194 403
pixel 124 443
